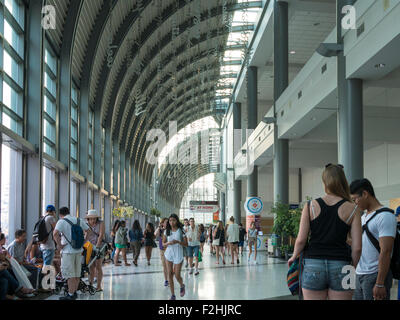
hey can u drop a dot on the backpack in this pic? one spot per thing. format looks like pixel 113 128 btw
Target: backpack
pixel 40 230
pixel 395 261
pixel 77 237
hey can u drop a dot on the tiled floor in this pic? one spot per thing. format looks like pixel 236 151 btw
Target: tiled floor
pixel 266 280
pixel 245 281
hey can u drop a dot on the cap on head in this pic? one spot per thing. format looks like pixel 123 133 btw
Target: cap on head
pixel 50 208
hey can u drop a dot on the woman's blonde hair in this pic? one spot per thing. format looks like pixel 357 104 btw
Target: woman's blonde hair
pixel 335 181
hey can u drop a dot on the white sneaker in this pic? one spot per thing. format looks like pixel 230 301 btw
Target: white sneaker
pixel 191 271
pixel 255 262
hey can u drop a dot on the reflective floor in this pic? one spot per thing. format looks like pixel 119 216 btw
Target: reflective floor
pixel 245 281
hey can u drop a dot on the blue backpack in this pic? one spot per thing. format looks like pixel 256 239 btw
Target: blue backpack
pixel 77 237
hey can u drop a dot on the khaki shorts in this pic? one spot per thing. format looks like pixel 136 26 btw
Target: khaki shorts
pixel 71 265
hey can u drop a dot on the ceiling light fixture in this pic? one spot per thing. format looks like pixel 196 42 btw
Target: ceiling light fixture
pixel 292 52
pixel 380 65
pixel 313 119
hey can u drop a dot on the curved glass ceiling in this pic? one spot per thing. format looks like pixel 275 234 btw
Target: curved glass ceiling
pixel 190 129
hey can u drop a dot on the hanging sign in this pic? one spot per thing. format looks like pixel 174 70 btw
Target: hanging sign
pixel 253 205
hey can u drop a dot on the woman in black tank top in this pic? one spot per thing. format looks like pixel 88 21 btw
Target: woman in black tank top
pixel 326 224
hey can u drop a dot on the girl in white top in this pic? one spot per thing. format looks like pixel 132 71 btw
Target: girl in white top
pixel 174 239
pixel 252 239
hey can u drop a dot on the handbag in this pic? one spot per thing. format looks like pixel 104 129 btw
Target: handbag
pixel 295 271
pixel 200 257
pixel 215 242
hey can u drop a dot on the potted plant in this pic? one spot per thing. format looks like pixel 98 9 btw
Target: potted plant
pixel 281 225
pixel 286 225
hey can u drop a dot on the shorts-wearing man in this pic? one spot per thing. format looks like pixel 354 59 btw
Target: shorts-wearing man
pixel 71 259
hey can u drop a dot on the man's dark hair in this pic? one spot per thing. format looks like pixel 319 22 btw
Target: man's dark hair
pixel 2 236
pixel 19 233
pixel 361 185
pixel 64 211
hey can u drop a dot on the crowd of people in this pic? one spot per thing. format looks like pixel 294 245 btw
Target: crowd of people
pixel 176 242
pixel 334 233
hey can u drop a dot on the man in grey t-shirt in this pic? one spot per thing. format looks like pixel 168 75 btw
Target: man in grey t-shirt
pixel 373 275
pixel 48 247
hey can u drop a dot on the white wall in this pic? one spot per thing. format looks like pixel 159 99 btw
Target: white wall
pixel 382 168
pixel 312 183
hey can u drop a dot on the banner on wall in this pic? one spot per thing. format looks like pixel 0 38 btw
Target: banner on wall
pixel 253 207
pixel 204 211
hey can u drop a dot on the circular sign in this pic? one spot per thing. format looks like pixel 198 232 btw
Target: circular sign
pixel 253 205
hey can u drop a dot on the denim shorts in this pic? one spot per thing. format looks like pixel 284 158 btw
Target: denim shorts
pixel 48 256
pixel 319 274
pixel 192 250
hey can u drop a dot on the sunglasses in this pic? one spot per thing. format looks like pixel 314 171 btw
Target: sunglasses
pixel 330 165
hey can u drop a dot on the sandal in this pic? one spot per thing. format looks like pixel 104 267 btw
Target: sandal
pixel 27 291
pixel 99 290
pixel 127 264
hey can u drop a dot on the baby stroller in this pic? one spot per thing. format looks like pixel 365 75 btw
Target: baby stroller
pixel 89 256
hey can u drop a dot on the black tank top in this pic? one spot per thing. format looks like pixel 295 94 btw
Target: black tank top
pixel 328 235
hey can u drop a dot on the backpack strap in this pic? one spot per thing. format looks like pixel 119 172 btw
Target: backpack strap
pixel 70 222
pixel 371 238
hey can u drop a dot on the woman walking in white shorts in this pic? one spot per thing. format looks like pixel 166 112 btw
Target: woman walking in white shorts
pixel 174 239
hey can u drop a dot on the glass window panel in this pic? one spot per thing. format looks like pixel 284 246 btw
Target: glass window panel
pixel 74 151
pixel 12 99
pixel 74 95
pixel 11 123
pixel 74 132
pixel 49 149
pixel 49 131
pixel 17 11
pixel 50 108
pixel 90 165
pixel 12 68
pixel 13 38
pixel 50 60
pixel 90 133
pixel 74 113
pixel 73 166
pixel 50 84
pixel 90 149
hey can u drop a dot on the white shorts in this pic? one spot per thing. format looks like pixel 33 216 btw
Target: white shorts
pixel 71 265
pixel 174 254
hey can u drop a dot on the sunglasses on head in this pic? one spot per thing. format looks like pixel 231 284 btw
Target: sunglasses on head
pixel 331 164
